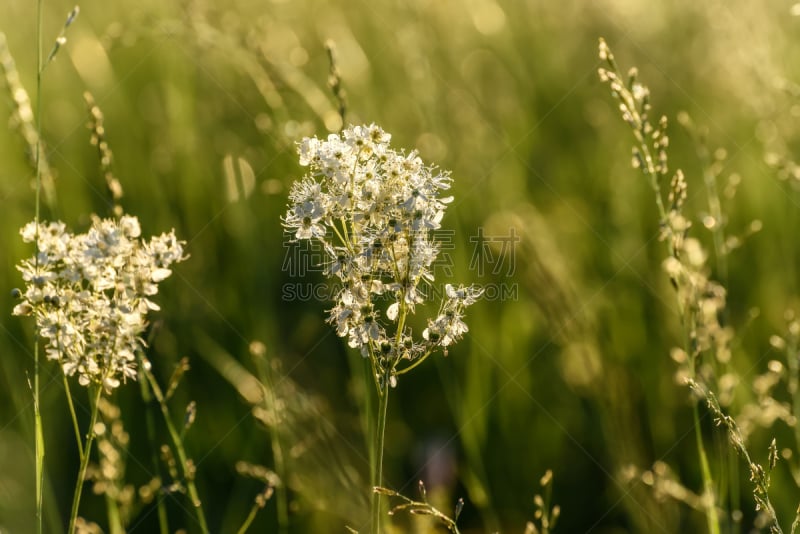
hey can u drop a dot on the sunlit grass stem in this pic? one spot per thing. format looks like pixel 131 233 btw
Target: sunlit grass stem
pixel 709 496
pixel 37 414
pixel 73 415
pixel 384 385
pixel 380 432
pixel 114 520
pixel 147 397
pixel 635 113
pixel 39 432
pixel 179 449
pixel 95 393
pixel 249 519
pixel 712 518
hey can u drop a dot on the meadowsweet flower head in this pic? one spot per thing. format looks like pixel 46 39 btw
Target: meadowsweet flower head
pixel 90 293
pixel 374 209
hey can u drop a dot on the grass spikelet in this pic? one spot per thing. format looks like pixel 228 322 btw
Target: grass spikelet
pixel 23 121
pixel 106 157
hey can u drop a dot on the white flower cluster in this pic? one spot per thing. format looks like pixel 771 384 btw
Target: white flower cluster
pixel 373 210
pixel 90 293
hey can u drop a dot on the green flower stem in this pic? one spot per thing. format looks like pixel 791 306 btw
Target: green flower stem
pixel 712 517
pixel 39 438
pixel 249 520
pixel 161 510
pixel 416 363
pixel 180 450
pixel 37 414
pixel 709 499
pixel 96 391
pixel 114 520
pixel 384 386
pixel 73 415
pixel 377 477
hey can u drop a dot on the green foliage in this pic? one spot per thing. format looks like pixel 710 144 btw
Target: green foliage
pixel 201 104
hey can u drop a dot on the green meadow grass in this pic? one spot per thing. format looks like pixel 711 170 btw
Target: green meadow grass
pixel 570 371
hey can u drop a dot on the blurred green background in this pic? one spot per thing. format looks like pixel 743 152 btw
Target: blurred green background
pixel 570 371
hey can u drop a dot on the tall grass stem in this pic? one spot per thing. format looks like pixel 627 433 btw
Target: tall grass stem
pixel 87 450
pixel 709 497
pixel 380 431
pixel 712 518
pixel 249 519
pixel 37 414
pixel 114 519
pixel 177 443
pixel 147 397
pixel 73 415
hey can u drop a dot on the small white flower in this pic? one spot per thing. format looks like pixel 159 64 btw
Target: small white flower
pixel 466 296
pixel 392 311
pixel 160 274
pixel 130 226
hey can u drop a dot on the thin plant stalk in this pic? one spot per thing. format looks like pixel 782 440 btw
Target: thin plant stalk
pixel 76 497
pixel 281 497
pixel 249 519
pixel 735 495
pixel 177 443
pixel 709 501
pixel 712 518
pixel 380 427
pixel 161 509
pixel 380 431
pixel 37 414
pixel 39 437
pixel 384 385
pixel 635 112
pixel 73 415
pixel 368 412
pixel 39 70
pixel 259 503
pixel 114 520
pixel 39 432
pixel 758 474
